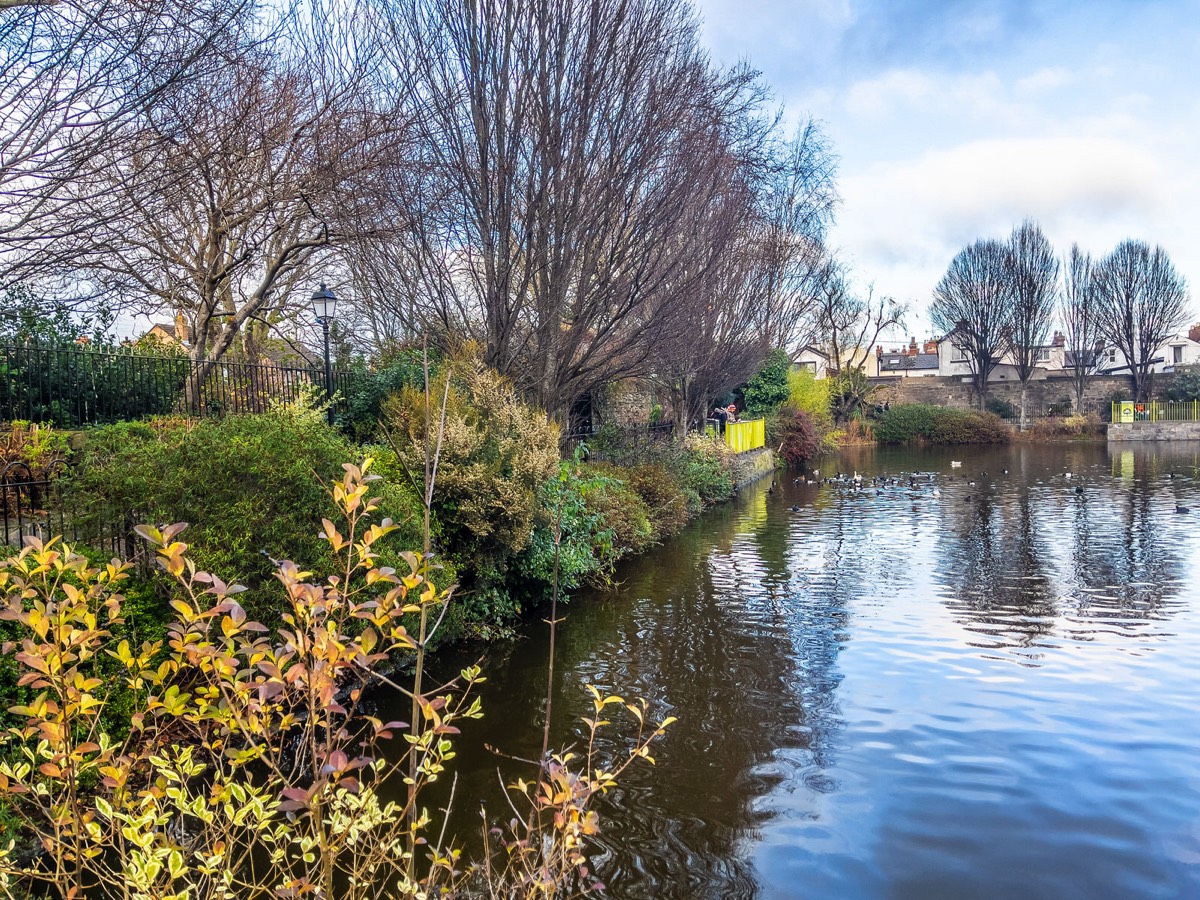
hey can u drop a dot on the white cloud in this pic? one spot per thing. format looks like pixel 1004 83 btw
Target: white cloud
pixel 902 222
pixel 1045 80
pixel 953 126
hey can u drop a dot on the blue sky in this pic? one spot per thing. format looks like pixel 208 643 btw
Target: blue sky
pixel 956 119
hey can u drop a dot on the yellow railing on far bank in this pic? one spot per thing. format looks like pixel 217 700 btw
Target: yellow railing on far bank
pixel 748 435
pixel 1127 411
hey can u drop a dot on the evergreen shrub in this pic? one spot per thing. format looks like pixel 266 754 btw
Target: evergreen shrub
pixel 914 423
pixel 769 388
pixel 248 485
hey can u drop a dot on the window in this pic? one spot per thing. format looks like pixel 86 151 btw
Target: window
pixel 1112 355
pixel 957 354
pixel 1177 355
pixel 1042 355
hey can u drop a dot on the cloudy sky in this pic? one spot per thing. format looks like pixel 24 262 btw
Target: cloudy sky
pixel 955 119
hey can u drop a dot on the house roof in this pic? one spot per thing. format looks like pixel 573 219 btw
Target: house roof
pixel 815 350
pixel 905 362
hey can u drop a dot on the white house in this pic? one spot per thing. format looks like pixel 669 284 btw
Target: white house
pixel 1054 359
pixel 1181 350
pixel 812 359
pixel 1050 360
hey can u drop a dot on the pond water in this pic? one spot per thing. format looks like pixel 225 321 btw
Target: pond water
pixel 983 690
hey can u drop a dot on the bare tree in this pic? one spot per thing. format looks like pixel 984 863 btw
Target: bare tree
pixel 719 339
pixel 798 201
pixel 1033 268
pixel 73 75
pixel 225 192
pixel 847 325
pixel 1084 345
pixel 580 171
pixel 1141 301
pixel 972 306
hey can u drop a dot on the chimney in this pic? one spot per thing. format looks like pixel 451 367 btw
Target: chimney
pixel 181 328
pixel 879 351
pixel 930 346
pixel 1060 339
pixel 1194 333
pixel 912 346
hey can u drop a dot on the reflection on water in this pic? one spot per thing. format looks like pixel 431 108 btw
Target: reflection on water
pixel 980 684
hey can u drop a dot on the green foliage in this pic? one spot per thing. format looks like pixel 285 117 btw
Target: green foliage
pixel 769 388
pixel 60 370
pixel 368 386
pixel 258 741
pixel 1002 408
pixel 576 535
pixel 249 485
pixel 26 317
pixel 39 446
pixel 811 396
pixel 665 499
pixel 916 423
pixel 849 392
pixel 495 454
pixel 69 384
pixel 704 471
pixel 1185 387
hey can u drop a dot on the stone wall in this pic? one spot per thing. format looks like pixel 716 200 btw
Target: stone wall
pixel 1155 431
pixel 625 403
pixel 752 465
pixel 950 391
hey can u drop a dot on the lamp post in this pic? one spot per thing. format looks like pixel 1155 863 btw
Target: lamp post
pixel 324 303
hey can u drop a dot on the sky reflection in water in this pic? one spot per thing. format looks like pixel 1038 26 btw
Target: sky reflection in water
pixel 887 694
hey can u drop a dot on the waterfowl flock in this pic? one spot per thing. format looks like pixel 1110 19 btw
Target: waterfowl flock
pixel 930 484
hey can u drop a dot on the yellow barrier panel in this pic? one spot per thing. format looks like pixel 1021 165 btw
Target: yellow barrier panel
pixel 1129 412
pixel 743 436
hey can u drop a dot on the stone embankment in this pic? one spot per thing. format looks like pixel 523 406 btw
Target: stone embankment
pixel 752 465
pixel 1154 431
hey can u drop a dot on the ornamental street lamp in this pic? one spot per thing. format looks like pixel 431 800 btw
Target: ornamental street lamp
pixel 324 303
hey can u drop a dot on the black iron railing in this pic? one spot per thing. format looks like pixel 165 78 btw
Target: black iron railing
pixel 76 385
pixel 614 443
pixel 31 504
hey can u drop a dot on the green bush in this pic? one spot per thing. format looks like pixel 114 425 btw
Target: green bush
pixel 769 388
pixel 496 455
pixel 249 487
pixel 703 470
pixel 912 423
pixel 665 498
pixel 1002 408
pixel 1185 387
pixel 581 521
pixel 811 395
pixel 369 386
